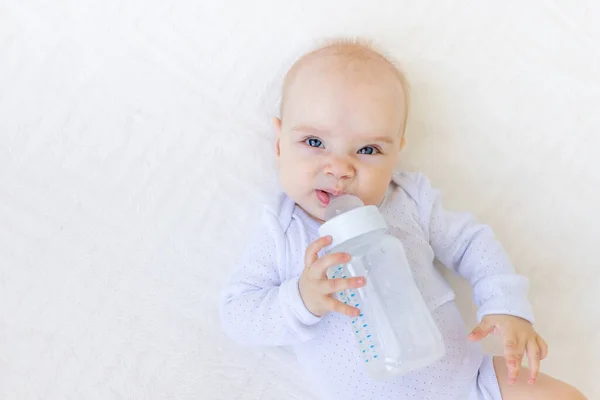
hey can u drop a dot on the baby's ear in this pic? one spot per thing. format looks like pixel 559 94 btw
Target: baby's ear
pixel 277 126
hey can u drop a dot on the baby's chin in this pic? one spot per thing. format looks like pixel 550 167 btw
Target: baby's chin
pixel 314 211
pixel 312 207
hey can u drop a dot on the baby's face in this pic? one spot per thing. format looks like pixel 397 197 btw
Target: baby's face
pixel 340 133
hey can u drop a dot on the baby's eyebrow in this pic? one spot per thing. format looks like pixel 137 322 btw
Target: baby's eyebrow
pixel 309 129
pixel 382 139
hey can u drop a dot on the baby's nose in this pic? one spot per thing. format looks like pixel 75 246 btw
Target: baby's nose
pixel 339 167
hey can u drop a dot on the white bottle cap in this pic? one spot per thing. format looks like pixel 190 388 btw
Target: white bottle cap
pixel 348 218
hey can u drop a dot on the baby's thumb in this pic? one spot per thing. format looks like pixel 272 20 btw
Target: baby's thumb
pixel 481 331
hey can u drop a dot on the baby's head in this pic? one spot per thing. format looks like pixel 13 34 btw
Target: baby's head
pixel 343 115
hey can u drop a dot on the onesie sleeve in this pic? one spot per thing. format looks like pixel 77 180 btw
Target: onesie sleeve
pixel 471 250
pixel 260 306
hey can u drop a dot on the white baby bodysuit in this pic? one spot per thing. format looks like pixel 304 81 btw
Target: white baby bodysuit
pixel 262 305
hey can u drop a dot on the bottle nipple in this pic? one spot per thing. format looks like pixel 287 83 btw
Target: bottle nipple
pixel 341 204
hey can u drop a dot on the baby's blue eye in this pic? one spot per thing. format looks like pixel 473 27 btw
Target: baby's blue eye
pixel 368 150
pixel 313 142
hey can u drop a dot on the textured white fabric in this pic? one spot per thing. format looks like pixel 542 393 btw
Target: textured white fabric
pixel 136 145
pixel 487 387
pixel 262 305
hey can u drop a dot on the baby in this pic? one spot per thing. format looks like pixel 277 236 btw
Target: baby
pixel 343 117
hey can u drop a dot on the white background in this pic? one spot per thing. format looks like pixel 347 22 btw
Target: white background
pixel 135 146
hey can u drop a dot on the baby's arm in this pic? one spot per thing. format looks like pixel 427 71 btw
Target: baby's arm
pixel 260 305
pixel 471 250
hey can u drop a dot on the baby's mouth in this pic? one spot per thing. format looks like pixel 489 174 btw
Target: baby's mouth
pixel 323 197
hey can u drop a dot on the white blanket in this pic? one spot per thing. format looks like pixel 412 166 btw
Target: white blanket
pixel 135 146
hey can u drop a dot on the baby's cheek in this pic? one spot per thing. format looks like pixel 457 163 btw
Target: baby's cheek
pixel 376 185
pixel 374 196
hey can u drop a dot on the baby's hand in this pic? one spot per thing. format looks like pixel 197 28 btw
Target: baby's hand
pixel 518 336
pixel 316 289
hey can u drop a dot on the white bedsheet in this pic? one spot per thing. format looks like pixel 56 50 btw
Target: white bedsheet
pixel 135 145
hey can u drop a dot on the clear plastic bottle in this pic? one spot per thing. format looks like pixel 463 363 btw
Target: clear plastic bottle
pixel 395 331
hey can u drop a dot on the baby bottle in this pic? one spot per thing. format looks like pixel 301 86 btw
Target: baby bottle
pixel 395 331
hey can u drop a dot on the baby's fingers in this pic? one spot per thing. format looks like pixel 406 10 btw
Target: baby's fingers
pixel 312 251
pixel 481 330
pixel 513 351
pixel 533 354
pixel 543 347
pixel 318 269
pixel 330 286
pixel 339 307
